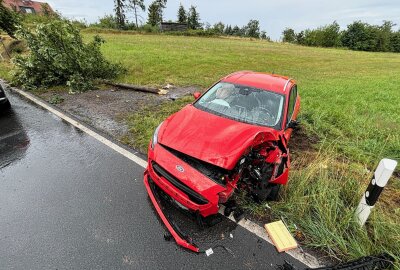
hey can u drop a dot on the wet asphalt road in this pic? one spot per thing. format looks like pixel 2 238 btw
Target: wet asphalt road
pixel 69 202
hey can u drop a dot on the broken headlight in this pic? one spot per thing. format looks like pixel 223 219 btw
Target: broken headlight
pixel 154 141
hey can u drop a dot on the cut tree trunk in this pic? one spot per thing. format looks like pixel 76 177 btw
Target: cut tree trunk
pixel 138 88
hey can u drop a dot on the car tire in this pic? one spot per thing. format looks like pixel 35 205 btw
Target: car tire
pixel 8 105
pixel 273 195
pixel 5 107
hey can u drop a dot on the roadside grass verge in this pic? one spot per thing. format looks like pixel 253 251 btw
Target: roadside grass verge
pixel 142 124
pixel 319 203
pixel 5 68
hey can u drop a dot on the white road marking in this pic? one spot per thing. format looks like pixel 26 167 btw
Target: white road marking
pixel 247 224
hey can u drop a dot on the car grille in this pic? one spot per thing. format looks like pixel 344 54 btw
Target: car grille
pixel 193 196
pixel 213 172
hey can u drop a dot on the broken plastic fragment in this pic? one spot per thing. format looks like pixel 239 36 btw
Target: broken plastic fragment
pixel 209 252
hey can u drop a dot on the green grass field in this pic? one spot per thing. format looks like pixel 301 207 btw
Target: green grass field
pixel 350 102
pixel 350 98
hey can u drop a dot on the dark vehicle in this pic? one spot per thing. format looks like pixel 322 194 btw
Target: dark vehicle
pixel 4 102
pixel 14 141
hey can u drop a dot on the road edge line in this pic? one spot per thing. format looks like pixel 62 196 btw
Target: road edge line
pixel 305 258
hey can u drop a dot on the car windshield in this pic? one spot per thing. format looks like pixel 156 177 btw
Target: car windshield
pixel 243 103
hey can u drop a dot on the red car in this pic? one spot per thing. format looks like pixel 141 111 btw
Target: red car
pixel 234 136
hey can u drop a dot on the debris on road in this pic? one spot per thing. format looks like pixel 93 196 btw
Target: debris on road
pixel 280 236
pixel 209 252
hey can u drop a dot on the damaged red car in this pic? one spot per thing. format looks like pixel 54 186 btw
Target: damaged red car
pixel 234 136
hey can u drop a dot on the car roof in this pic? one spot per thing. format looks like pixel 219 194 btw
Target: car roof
pixel 271 82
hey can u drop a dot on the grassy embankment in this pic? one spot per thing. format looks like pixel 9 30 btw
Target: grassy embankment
pixel 350 101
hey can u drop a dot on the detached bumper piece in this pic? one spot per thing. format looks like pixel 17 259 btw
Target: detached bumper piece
pixel 173 229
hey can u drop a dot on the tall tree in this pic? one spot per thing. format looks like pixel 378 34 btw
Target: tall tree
pixel 154 17
pixel 300 38
pixel 119 8
pixel 135 5
pixel 219 28
pixel 182 16
pixel 194 18
pixel 263 35
pixel 253 29
pixel 162 3
pixel 228 30
pixel 289 35
pixel 384 34
pixel 356 36
pixel 155 12
pixel 395 41
pixel 8 20
pixel 235 31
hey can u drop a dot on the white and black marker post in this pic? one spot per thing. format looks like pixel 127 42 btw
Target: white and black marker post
pixel 379 180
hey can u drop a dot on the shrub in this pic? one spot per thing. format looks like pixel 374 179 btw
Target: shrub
pixel 326 36
pixel 194 33
pixel 148 28
pixel 58 56
pixel 56 100
pixel 107 21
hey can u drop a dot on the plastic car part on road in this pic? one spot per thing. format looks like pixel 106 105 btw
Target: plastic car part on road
pixel 170 226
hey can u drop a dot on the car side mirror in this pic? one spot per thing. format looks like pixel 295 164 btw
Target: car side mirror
pixel 196 95
pixel 293 124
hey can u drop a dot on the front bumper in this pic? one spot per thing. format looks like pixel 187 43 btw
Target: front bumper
pixel 175 232
pixel 189 190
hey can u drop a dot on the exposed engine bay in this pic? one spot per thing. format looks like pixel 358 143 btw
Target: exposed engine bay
pixel 256 172
pixel 260 171
pixel 261 168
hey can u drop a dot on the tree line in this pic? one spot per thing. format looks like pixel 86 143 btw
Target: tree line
pixel 191 17
pixel 358 36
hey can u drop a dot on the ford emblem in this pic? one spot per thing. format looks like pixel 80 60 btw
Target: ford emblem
pixel 180 168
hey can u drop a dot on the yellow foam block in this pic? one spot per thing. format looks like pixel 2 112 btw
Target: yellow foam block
pixel 280 236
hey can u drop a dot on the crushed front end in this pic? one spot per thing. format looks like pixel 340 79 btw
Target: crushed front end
pixel 199 187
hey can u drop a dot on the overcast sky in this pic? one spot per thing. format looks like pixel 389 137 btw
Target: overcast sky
pixel 274 16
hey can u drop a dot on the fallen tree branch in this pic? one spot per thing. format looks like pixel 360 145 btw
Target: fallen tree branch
pixel 138 88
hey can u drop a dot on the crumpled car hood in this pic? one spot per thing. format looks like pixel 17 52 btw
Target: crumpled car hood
pixel 211 138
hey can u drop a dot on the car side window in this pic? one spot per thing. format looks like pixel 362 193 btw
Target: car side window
pixel 292 103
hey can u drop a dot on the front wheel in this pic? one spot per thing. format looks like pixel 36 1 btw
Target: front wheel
pixel 273 195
